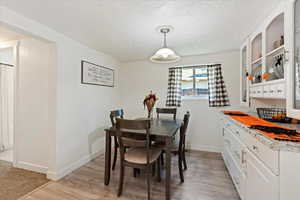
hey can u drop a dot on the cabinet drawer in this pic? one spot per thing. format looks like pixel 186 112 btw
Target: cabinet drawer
pixel 235 146
pixel 272 91
pixel 280 90
pixel 259 91
pixel 237 176
pixel 266 91
pixel 234 129
pixel 268 156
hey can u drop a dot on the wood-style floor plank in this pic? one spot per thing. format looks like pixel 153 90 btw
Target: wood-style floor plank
pixel 205 179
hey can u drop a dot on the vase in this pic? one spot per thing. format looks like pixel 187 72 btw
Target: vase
pixel 150 114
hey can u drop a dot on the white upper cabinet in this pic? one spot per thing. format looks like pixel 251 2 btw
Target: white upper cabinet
pixel 274 59
pixel 266 57
pixel 292 28
pixel 244 71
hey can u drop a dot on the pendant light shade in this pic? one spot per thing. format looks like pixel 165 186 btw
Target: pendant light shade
pixel 165 54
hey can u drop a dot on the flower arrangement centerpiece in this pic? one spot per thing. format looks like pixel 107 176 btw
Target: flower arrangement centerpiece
pixel 149 102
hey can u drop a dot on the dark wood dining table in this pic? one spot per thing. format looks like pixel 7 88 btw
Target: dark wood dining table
pixel 161 130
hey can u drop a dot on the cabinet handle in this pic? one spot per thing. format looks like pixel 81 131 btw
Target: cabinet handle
pixel 271 91
pixel 243 157
pixel 255 148
pixel 265 91
pixel 279 90
pixel 237 132
pixel 258 92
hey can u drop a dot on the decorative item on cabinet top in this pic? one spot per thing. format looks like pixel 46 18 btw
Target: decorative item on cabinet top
pixel 274 115
pixel 251 122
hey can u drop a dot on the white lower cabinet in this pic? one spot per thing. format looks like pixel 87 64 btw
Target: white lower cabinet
pixel 254 171
pixel 261 183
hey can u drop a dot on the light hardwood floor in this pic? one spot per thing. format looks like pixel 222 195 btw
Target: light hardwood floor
pixel 205 179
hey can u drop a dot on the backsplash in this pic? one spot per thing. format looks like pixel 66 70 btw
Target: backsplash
pixel 267 103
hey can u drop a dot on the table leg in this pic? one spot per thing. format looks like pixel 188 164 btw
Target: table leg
pixel 107 157
pixel 168 168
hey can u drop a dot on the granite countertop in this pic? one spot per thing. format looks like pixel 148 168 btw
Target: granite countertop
pixel 270 142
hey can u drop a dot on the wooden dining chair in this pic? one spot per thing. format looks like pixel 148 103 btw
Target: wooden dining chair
pixel 165 111
pixel 170 111
pixel 113 116
pixel 179 148
pixel 139 153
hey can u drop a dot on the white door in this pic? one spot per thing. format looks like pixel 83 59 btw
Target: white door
pixel 261 183
pixel 292 43
pixel 6 107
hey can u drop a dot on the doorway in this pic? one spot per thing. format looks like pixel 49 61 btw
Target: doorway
pixel 7 84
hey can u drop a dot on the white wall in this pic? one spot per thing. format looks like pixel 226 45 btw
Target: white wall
pixel 138 78
pixel 83 110
pixel 33 119
pixel 77 113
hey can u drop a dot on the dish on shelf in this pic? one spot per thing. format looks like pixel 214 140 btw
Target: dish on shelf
pixel 256 73
pixel 278 66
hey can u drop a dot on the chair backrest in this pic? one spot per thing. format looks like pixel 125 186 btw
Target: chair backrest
pixel 127 131
pixel 172 111
pixel 116 114
pixel 183 130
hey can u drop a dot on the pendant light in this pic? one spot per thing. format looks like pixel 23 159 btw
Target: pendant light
pixel 165 54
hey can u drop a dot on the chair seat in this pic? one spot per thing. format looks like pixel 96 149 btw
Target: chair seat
pixel 139 155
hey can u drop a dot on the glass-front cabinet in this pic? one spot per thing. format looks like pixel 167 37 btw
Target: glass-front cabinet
pixel 256 59
pixel 244 72
pixel 275 49
pixel 293 43
pixel 267 63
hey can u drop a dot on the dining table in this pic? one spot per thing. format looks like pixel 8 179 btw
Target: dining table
pixel 163 130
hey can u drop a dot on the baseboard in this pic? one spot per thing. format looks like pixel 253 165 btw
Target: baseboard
pixel 55 176
pixel 31 167
pixel 205 148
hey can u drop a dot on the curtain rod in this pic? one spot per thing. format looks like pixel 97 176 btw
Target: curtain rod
pixel 195 65
pixel 9 65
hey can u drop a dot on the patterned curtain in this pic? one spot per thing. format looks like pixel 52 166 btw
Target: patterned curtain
pixel 174 87
pixel 218 96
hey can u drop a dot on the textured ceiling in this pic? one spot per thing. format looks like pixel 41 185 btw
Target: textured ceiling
pixel 125 29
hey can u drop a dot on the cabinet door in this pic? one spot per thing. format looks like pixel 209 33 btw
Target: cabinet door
pixel 292 28
pixel 261 183
pixel 244 70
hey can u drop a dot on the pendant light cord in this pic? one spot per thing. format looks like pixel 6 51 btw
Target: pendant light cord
pixel 165 40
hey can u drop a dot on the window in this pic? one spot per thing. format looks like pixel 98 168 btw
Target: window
pixel 195 82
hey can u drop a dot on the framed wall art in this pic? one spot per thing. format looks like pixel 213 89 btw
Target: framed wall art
pixel 93 74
